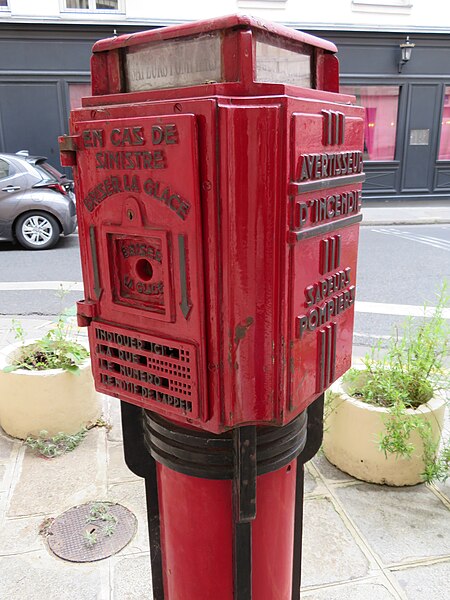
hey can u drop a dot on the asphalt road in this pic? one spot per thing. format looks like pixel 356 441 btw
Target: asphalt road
pixel 58 264
pixel 402 265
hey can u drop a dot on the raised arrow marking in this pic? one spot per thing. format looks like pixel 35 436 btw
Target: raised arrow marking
pixel 97 289
pixel 185 304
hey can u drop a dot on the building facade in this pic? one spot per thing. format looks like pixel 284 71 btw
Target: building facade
pixel 45 51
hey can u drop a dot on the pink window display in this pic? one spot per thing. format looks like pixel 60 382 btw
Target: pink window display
pixel 381 104
pixel 444 144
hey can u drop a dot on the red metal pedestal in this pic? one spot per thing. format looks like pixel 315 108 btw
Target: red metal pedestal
pixel 197 536
pixel 273 534
pixel 225 512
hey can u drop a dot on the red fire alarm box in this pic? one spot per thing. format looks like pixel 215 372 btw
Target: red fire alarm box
pixel 218 173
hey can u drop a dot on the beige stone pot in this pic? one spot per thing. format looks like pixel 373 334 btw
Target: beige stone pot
pixel 352 433
pixel 53 400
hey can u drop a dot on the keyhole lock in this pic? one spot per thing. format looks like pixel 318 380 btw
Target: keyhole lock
pixel 130 214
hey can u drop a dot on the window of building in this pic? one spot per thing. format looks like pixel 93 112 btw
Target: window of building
pixel 92 5
pixel 406 3
pixel 400 6
pixel 78 91
pixel 381 104
pixel 444 144
pixel 4 5
pixel 262 4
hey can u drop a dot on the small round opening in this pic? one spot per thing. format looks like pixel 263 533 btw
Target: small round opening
pixel 144 269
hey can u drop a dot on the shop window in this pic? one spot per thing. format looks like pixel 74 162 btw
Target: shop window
pixel 78 91
pixel 92 5
pixel 381 104
pixel 444 144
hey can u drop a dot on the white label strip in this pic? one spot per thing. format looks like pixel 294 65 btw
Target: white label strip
pixel 174 63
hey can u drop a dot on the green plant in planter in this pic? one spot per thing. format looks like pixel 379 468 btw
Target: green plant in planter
pixel 57 349
pixel 406 375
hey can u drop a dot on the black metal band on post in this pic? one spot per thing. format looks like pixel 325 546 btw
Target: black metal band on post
pixel 143 465
pixel 315 429
pixel 154 530
pixel 244 509
pixel 313 442
pixel 298 532
pixel 202 454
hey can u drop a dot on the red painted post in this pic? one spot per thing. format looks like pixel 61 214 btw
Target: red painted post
pixel 218 176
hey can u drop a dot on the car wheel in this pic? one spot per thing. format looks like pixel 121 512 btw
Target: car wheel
pixel 37 231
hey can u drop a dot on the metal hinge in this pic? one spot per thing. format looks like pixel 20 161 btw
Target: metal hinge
pixel 68 146
pixel 86 311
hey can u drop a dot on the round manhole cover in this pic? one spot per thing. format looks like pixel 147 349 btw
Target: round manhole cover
pixel 92 531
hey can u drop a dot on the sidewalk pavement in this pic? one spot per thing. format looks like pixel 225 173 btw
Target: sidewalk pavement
pixel 361 541
pixel 405 212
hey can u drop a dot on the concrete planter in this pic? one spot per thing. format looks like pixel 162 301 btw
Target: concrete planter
pixel 53 400
pixel 352 433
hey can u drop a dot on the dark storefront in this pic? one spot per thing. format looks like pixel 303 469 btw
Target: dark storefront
pixel 407 132
pixel 44 71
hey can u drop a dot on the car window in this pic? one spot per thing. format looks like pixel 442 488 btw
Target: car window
pixel 5 169
pixel 47 172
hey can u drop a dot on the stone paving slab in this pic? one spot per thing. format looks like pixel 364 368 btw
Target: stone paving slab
pixel 50 486
pixel 20 536
pixel 398 213
pixel 2 477
pixel 362 590
pixel 7 445
pixel 444 488
pixel 329 471
pixel 132 578
pixel 37 576
pixel 427 582
pixel 132 495
pixel 112 415
pixel 3 498
pixel 400 524
pixel 330 553
pixel 117 468
pixel 311 483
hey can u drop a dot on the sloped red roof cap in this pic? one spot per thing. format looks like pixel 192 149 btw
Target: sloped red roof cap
pixel 208 26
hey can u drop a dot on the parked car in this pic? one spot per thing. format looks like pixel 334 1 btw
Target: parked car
pixel 37 203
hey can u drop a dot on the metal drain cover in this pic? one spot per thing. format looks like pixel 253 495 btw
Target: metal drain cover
pixel 91 531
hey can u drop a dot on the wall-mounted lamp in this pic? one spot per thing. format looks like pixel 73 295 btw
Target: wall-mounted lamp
pixel 406 49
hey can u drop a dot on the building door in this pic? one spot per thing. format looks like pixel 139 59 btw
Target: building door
pixel 421 137
pixel 31 118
